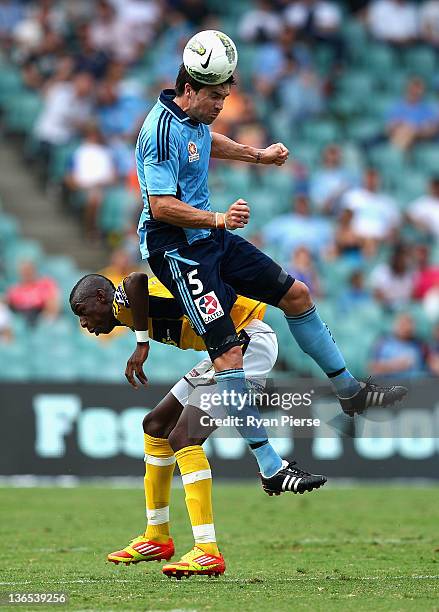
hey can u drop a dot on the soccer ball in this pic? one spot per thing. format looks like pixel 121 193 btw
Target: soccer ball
pixel 210 57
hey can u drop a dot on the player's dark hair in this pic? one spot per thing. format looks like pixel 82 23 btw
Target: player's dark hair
pixel 184 77
pixel 87 285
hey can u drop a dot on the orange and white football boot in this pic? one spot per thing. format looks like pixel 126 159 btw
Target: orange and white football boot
pixel 195 563
pixel 142 549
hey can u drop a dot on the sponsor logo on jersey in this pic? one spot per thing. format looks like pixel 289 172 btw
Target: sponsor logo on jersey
pixel 193 152
pixel 209 307
pixel 120 297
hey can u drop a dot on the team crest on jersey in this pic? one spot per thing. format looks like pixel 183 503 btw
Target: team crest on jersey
pixel 209 307
pixel 193 152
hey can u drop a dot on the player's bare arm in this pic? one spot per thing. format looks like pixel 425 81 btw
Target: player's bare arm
pixel 171 210
pixel 226 148
pixel 136 288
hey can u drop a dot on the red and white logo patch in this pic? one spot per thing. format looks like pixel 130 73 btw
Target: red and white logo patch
pixel 193 152
pixel 209 307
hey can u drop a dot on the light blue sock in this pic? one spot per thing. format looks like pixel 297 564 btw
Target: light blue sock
pixel 233 383
pixel 315 339
pixel 268 460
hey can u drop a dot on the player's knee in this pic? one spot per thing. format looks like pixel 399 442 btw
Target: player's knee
pixel 153 426
pixel 230 359
pixel 296 300
pixel 184 435
pixel 179 438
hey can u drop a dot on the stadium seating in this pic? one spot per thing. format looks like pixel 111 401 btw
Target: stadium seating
pixel 360 96
pixel 21 111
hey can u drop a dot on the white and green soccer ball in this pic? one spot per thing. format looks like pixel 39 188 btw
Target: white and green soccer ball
pixel 210 57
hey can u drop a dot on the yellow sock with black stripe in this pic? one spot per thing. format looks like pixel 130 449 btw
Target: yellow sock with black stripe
pixel 197 482
pixel 159 469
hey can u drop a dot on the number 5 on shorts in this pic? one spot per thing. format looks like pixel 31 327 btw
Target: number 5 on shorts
pixel 195 283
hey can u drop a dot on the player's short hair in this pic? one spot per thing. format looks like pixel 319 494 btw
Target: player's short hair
pixel 184 77
pixel 87 286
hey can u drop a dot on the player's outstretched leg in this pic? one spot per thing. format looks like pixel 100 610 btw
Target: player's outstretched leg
pixel 315 339
pixel 155 544
pixel 291 479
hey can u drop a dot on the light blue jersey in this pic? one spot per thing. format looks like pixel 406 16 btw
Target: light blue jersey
pixel 172 158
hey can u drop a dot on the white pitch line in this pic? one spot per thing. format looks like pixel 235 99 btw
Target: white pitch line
pixel 243 580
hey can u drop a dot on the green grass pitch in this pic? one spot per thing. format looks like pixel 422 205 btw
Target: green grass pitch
pixel 365 548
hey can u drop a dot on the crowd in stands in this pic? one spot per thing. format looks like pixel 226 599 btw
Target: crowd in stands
pixel 350 87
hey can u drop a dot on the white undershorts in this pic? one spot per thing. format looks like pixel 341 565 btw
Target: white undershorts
pixel 259 359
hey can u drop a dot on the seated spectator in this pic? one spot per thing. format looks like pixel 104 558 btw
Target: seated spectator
pixel 33 296
pixel 119 113
pixel 196 12
pixel 315 15
pixel 67 107
pixel 120 266
pixel 302 268
pixel 238 110
pixel 392 282
pixel 88 58
pixel 393 21
pixel 347 243
pixel 112 34
pixel 252 134
pixel 426 276
pixel 298 228
pixel 92 169
pixel 399 353
pixel 299 91
pixel 355 295
pixel 317 20
pixel 430 304
pixel 11 14
pixel 46 56
pixel 412 118
pixel 424 211
pixel 330 181
pixel 429 22
pixel 28 34
pixel 376 215
pixel 271 58
pixel 426 282
pixel 6 334
pixel 260 23
pixel 433 353
pixel 142 18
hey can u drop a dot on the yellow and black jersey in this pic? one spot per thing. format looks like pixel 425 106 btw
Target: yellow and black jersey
pixel 168 324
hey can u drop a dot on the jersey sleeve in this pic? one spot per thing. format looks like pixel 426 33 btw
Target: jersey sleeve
pixel 161 159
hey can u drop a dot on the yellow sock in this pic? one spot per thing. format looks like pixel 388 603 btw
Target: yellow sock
pixel 197 482
pixel 159 468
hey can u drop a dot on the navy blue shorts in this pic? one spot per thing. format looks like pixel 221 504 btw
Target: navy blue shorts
pixel 206 277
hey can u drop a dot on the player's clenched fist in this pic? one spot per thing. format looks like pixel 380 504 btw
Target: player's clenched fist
pixel 275 154
pixel 238 215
